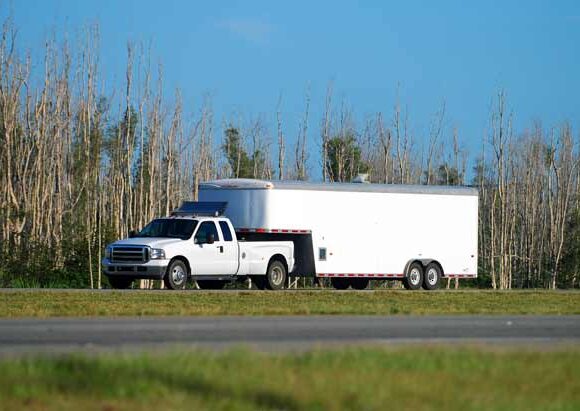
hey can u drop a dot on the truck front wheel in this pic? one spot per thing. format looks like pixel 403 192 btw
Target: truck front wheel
pixel 275 276
pixel 414 278
pixel 176 275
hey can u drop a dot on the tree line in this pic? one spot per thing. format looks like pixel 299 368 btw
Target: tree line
pixel 82 165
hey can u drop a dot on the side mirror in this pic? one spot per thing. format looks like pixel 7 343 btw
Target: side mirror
pixel 132 233
pixel 210 239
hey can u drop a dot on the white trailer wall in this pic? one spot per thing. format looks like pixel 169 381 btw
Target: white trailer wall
pixel 366 230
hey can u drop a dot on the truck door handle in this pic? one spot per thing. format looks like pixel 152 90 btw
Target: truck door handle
pixel 221 247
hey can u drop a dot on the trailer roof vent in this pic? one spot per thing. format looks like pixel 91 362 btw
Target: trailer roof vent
pixel 201 208
pixel 361 178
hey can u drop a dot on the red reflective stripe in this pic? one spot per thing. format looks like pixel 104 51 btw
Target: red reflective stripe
pixel 273 230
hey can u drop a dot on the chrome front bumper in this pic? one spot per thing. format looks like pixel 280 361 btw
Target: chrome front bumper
pixel 154 269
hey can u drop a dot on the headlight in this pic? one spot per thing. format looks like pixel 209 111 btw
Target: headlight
pixel 157 254
pixel 108 252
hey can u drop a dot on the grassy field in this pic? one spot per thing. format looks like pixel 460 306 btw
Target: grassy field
pixel 21 303
pixel 349 379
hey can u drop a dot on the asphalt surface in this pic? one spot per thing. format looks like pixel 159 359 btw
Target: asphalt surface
pixel 278 333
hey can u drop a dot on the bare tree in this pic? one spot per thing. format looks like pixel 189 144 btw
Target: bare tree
pixel 434 135
pixel 301 141
pixel 325 132
pixel 281 144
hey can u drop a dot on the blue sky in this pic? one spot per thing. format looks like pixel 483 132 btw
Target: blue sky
pixel 245 53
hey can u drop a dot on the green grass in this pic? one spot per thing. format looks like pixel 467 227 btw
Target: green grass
pixel 19 303
pixel 418 378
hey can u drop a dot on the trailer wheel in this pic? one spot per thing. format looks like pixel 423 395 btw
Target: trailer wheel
pixel 414 277
pixel 432 276
pixel 120 283
pixel 211 284
pixel 176 275
pixel 340 283
pixel 359 283
pixel 275 276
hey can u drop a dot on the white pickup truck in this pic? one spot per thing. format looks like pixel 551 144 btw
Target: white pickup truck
pixel 196 242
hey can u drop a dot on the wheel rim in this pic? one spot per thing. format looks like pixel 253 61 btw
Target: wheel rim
pixel 432 276
pixel 414 276
pixel 277 275
pixel 178 275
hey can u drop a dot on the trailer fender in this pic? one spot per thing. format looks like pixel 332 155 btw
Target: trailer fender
pixel 429 261
pixel 424 262
pixel 411 261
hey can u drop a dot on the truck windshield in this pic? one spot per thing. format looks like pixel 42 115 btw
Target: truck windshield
pixel 169 228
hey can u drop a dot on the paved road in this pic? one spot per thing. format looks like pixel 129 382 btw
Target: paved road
pixel 273 333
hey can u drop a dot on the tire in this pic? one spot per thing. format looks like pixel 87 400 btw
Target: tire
pixel 211 284
pixel 176 275
pixel 432 276
pixel 359 283
pixel 275 276
pixel 414 278
pixel 340 283
pixel 120 283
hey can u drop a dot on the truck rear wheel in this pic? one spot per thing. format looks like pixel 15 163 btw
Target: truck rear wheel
pixel 340 283
pixel 120 283
pixel 432 276
pixel 211 284
pixel 176 275
pixel 359 283
pixel 275 276
pixel 414 278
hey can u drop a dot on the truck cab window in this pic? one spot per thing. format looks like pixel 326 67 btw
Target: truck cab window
pixel 226 231
pixel 207 227
pixel 168 228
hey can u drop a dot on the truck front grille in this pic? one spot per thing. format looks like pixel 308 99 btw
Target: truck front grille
pixel 130 254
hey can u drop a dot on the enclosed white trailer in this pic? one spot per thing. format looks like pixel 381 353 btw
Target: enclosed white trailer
pixel 349 231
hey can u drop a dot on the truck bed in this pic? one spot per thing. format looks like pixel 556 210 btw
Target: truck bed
pixel 254 256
